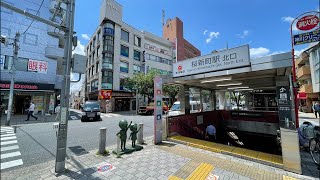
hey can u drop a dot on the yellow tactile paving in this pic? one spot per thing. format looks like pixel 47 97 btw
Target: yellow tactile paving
pixel 201 172
pixel 288 178
pixel 252 172
pixel 174 178
pixel 220 148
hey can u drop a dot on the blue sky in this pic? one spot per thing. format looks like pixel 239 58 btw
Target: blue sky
pixel 209 24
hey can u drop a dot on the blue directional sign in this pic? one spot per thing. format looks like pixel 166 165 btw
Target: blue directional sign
pixel 309 37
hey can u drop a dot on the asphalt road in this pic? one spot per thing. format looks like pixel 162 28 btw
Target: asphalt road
pixel 37 141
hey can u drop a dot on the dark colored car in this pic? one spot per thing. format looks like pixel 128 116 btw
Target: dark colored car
pixel 91 111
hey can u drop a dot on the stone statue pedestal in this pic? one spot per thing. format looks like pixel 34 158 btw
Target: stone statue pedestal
pixel 129 150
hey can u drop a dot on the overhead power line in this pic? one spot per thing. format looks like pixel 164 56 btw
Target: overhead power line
pixel 33 19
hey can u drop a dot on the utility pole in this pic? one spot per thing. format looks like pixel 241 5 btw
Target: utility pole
pixel 13 74
pixel 65 92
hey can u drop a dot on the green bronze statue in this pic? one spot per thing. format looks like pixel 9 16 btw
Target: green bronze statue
pixel 133 133
pixel 123 124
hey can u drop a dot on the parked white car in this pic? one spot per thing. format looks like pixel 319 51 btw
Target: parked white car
pixel 175 108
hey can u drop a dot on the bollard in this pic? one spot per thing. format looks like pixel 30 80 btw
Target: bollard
pixel 140 133
pixel 102 142
pixel 15 128
pixel 118 146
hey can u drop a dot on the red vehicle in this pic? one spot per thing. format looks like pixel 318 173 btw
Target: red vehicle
pixel 150 108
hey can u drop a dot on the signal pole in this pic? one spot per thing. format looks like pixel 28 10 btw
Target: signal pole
pixel 13 73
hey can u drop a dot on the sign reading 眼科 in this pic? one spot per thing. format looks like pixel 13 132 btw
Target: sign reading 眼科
pixel 230 58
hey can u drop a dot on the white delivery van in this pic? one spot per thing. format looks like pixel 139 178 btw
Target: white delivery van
pixel 175 108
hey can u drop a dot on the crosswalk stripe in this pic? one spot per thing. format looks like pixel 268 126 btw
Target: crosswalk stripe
pixel 9 142
pixel 8 155
pixel 9 148
pixel 8 138
pixel 6 135
pixel 11 164
pixel 7 131
pixel 6 128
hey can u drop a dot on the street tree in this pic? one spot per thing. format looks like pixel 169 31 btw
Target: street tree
pixel 144 84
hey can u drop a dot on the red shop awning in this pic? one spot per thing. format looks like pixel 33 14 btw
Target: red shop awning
pixel 302 95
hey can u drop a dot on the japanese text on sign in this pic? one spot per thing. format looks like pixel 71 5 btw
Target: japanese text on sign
pixel 308 37
pixel 38 66
pixel 230 58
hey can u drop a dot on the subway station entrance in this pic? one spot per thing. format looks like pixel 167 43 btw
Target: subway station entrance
pixel 248 101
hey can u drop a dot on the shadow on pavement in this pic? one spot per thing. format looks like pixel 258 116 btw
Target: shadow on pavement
pixel 78 150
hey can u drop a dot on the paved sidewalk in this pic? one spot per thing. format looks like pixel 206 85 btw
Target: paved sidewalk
pixel 153 162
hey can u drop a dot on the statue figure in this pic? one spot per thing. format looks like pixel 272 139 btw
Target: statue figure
pixel 123 124
pixel 133 133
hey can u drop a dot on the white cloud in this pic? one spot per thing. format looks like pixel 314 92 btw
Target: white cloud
pixel 289 19
pixel 212 35
pixel 79 49
pixel 205 32
pixel 74 87
pixel 258 52
pixel 85 36
pixel 244 34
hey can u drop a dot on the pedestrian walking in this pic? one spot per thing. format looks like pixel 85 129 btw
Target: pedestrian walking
pixel 316 109
pixel 30 111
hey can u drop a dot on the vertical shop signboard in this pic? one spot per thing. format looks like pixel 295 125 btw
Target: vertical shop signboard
pixel 284 104
pixel 157 110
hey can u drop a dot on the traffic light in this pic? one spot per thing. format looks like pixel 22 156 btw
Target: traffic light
pixel 4 40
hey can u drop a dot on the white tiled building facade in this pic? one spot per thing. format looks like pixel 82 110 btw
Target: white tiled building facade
pixel 116 51
pixel 36 76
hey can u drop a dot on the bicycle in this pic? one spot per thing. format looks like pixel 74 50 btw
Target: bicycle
pixel 314 146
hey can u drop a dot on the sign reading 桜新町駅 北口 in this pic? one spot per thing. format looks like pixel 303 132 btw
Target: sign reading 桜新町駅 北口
pixel 229 58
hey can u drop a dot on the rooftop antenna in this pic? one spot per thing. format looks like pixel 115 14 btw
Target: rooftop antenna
pixel 227 45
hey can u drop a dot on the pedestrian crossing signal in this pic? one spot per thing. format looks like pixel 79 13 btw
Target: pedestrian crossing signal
pixel 4 40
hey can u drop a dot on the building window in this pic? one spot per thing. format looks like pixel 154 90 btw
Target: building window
pixel 92 72
pixel 97 68
pixel 30 39
pixel 137 41
pixel 98 38
pixel 122 85
pixel 107 61
pixel 94 85
pixel 158 59
pixel 136 69
pixel 107 80
pixel 136 55
pixel 124 67
pixel 124 51
pixel 108 44
pixel 94 42
pixel 124 35
pixel 6 62
pixel 98 51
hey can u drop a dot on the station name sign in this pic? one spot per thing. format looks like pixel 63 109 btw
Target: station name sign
pixel 230 58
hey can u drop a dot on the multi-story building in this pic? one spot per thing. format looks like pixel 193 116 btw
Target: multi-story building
pixel 173 31
pixel 307 70
pixel 116 51
pixel 36 76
